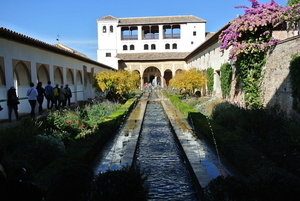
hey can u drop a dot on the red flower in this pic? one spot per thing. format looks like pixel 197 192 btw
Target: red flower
pixel 69 122
pixel 82 126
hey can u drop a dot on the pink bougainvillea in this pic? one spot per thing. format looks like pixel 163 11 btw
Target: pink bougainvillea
pixel 252 31
pixel 292 13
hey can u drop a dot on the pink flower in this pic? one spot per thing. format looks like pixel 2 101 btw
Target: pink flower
pixel 69 122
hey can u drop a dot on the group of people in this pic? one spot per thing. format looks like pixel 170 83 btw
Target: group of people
pixel 57 96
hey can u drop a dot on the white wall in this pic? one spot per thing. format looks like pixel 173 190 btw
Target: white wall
pixel 11 50
pixel 210 57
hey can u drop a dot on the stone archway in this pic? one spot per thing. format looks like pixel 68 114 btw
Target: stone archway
pixel 152 75
pixel 58 76
pixel 141 80
pixel 168 75
pixel 42 74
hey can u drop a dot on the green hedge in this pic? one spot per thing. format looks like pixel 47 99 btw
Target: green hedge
pixel 185 109
pixel 84 151
pixel 246 158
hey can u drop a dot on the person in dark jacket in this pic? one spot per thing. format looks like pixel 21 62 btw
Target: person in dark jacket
pixel 40 97
pixel 49 95
pixel 68 95
pixel 12 102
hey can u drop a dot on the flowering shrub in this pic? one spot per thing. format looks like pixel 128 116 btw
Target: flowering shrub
pixel 291 13
pixel 252 32
pixel 94 113
pixel 249 36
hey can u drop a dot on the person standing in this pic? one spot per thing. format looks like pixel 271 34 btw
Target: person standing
pixel 62 96
pixel 40 97
pixel 68 95
pixel 56 96
pixel 32 97
pixel 49 95
pixel 12 102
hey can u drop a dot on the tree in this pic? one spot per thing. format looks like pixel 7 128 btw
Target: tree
pixel 226 77
pixel 117 84
pixel 188 81
pixel 210 80
pixel 291 2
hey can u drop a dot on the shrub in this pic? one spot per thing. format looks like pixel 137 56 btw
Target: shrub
pixel 71 184
pixel 267 183
pixel 124 184
pixel 226 188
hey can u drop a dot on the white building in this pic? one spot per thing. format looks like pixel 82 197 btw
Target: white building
pixel 24 60
pixel 147 35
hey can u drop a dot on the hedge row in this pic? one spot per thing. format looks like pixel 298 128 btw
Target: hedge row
pixel 185 109
pixel 246 158
pixel 83 151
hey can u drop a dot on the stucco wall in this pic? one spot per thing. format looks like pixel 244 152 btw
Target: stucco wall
pixel 210 57
pixel 276 88
pixel 14 54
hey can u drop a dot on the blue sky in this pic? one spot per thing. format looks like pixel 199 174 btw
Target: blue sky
pixel 75 20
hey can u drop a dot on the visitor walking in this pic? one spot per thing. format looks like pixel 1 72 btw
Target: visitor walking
pixel 49 95
pixel 40 97
pixel 56 96
pixel 62 96
pixel 68 95
pixel 12 102
pixel 32 97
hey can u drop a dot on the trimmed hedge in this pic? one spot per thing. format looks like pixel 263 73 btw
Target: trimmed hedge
pixel 246 158
pixel 83 151
pixel 185 109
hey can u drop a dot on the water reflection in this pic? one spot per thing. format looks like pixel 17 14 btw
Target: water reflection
pixel 159 157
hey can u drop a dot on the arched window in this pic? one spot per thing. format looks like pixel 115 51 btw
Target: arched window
pixel 104 29
pixel 124 47
pixel 174 46
pixel 111 29
pixel 146 47
pixel 131 47
pixel 153 47
pixel 167 46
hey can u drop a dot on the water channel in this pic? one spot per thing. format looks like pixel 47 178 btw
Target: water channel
pixel 159 157
pixel 149 141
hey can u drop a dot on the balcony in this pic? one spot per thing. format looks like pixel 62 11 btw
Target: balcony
pixel 171 36
pixel 129 37
pixel 150 36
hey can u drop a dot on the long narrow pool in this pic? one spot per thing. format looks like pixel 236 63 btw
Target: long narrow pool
pixel 159 157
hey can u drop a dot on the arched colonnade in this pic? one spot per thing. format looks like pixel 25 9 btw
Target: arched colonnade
pixel 157 74
pixel 22 73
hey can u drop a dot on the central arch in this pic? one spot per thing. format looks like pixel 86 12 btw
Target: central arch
pixel 152 75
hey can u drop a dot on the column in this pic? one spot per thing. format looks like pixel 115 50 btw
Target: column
pixel 161 32
pixel 140 33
